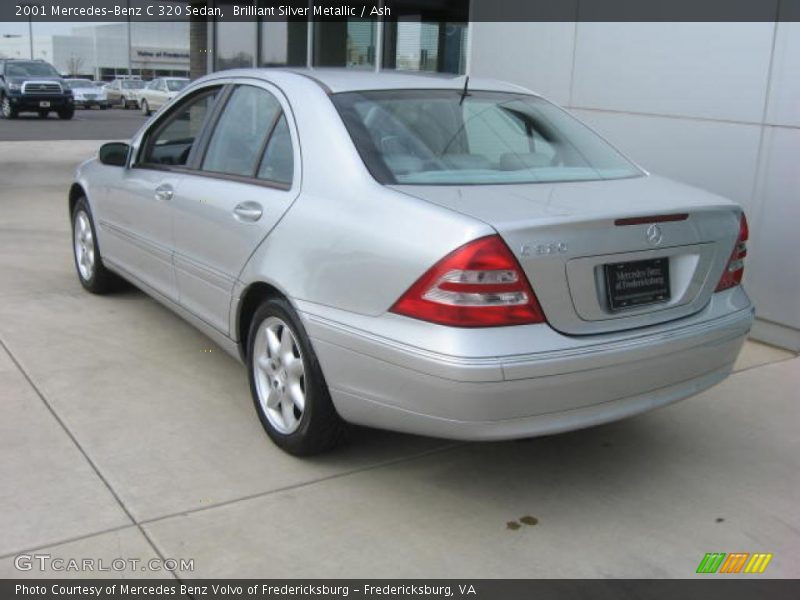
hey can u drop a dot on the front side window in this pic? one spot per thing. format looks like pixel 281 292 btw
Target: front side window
pixel 446 137
pixel 133 84
pixel 173 138
pixel 238 139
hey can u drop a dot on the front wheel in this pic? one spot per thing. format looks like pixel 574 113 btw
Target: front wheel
pixel 94 277
pixel 145 108
pixel 66 114
pixel 287 385
pixel 9 110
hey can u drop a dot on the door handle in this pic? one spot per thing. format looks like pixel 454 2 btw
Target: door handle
pixel 164 192
pixel 248 211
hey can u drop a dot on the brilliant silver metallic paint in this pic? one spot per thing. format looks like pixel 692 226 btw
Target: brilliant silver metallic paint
pixel 342 248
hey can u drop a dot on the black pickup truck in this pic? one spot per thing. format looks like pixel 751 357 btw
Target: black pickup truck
pixel 33 86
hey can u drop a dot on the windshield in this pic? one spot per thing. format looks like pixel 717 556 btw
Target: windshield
pixel 440 137
pixel 30 69
pixel 133 84
pixel 79 83
pixel 176 85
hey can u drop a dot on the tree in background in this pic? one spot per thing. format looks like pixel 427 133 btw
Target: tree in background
pixel 74 64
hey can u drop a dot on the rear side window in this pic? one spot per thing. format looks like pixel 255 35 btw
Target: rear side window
pixel 277 164
pixel 241 132
pixel 172 141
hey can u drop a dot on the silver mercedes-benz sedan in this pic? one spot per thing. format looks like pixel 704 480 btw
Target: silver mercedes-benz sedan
pixel 435 255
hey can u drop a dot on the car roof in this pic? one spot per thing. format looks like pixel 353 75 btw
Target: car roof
pixel 336 80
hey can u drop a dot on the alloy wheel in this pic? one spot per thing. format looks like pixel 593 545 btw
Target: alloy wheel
pixel 84 245
pixel 279 374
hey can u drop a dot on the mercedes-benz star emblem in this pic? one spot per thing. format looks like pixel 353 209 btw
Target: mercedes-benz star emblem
pixel 654 235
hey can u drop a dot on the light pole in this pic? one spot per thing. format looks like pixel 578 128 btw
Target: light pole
pixel 30 32
pixel 130 71
pixel 30 24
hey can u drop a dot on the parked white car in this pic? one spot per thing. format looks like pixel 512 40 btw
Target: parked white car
pixel 158 92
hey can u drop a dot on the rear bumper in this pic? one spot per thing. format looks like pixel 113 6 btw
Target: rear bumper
pixel 382 383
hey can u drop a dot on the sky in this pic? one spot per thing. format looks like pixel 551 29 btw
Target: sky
pixel 8 27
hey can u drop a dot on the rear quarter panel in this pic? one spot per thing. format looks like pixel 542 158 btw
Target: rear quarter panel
pixel 349 242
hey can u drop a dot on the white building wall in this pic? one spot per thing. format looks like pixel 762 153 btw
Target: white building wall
pixel 716 105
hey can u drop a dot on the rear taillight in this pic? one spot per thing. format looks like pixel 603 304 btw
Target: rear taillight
pixel 734 270
pixel 479 284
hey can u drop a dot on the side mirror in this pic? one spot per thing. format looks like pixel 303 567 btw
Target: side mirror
pixel 114 154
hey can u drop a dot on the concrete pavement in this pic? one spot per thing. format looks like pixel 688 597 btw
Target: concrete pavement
pixel 126 433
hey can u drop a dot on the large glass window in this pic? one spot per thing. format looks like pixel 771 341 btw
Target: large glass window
pixel 448 137
pixel 348 43
pixel 283 43
pixel 238 139
pixel 171 141
pixel 234 44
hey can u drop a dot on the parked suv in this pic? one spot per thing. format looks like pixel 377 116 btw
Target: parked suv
pixel 33 86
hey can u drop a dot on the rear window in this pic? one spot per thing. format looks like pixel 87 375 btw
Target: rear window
pixel 176 85
pixel 79 83
pixel 444 137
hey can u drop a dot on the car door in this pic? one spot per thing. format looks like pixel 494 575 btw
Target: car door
pixel 138 214
pixel 246 177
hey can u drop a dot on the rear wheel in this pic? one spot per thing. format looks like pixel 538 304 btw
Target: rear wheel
pixel 93 276
pixel 287 385
pixel 8 110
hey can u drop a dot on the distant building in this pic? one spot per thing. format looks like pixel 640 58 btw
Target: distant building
pixel 101 51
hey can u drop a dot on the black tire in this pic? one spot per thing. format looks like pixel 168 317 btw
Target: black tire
pixel 320 428
pixel 145 108
pixel 43 114
pixel 101 281
pixel 7 109
pixel 66 114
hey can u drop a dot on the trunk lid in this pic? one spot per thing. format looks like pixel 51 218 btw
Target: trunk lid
pixel 564 234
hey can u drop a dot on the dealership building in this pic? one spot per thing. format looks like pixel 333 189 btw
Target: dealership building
pixel 102 51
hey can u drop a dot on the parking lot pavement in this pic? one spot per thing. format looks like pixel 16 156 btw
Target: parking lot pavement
pixel 126 433
pixel 87 124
